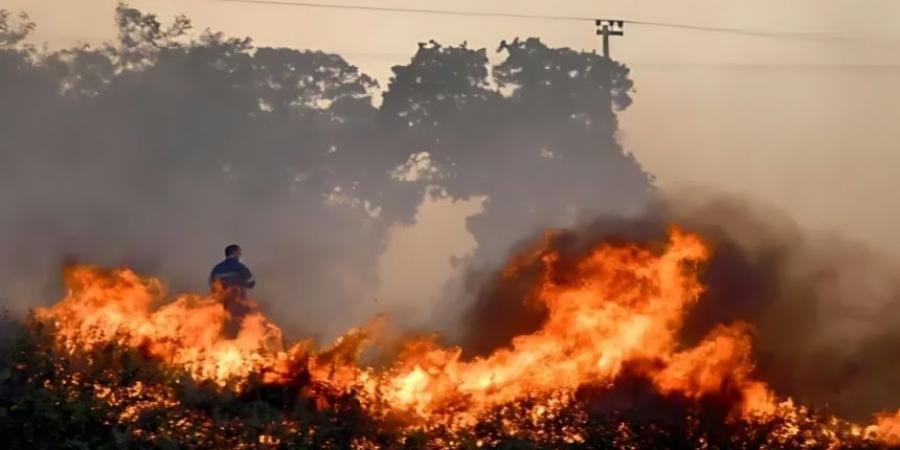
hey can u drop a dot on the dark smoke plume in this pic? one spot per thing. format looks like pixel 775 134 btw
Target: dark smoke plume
pixel 826 312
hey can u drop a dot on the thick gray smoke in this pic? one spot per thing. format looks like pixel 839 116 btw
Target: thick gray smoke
pixel 825 311
pixel 160 149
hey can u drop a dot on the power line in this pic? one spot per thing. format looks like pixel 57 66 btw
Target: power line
pixel 664 65
pixel 405 10
pixel 444 12
pixel 741 31
pixel 761 66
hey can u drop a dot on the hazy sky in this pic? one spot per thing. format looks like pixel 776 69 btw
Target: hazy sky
pixel 808 125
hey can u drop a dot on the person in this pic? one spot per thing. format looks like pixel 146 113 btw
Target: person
pixel 231 278
pixel 231 273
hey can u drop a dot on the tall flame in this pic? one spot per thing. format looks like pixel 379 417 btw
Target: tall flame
pixel 102 306
pixel 617 307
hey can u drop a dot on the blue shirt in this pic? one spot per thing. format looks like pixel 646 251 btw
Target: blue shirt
pixel 232 273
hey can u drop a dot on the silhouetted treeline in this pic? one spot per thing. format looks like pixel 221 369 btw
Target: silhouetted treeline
pixel 158 149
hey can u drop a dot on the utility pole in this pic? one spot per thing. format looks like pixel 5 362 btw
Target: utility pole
pixel 607 28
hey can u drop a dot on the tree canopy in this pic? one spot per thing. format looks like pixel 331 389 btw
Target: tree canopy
pixel 174 142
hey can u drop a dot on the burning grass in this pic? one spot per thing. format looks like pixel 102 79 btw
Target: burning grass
pixel 116 364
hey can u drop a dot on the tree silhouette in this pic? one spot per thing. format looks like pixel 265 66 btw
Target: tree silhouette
pixel 158 148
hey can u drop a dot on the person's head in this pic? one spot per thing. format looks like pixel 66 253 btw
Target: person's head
pixel 233 251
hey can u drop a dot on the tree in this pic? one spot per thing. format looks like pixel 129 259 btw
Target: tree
pixel 156 149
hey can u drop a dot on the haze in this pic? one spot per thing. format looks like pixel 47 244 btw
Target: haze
pixel 806 125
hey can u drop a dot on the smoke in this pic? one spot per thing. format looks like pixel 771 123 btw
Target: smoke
pixel 161 148
pixel 825 311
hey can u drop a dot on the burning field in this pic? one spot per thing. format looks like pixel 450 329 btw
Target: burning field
pixel 118 363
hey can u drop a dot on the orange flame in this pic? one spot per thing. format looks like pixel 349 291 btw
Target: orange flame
pixel 103 306
pixel 886 428
pixel 616 307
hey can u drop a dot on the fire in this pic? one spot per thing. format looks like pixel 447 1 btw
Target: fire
pixel 616 309
pixel 619 305
pixel 103 306
pixel 886 428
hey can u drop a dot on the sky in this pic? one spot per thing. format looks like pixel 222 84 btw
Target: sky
pixel 805 125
